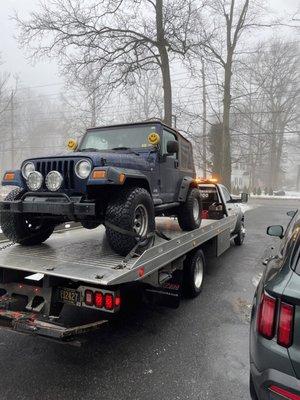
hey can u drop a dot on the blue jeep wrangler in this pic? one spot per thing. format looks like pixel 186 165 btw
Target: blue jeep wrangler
pixel 121 176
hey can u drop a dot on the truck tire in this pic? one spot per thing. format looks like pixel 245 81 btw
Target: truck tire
pixel 239 239
pixel 22 229
pixel 193 274
pixel 189 214
pixel 132 211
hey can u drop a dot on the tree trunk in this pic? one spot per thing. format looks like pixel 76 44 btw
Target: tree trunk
pixel 226 148
pixel 204 130
pixel 164 63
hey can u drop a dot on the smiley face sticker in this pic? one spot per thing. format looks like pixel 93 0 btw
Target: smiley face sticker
pixel 153 138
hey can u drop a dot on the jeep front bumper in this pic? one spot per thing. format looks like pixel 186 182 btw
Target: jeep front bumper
pixel 50 204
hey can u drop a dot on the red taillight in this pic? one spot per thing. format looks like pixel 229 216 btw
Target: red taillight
pixel 98 299
pixel 266 316
pixel 284 393
pixel 89 297
pixel 117 301
pixel 285 325
pixel 109 301
pixel 204 214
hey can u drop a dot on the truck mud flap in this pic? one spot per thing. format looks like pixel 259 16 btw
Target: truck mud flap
pixel 167 295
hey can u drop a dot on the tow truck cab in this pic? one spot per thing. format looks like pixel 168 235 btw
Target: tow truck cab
pixel 217 203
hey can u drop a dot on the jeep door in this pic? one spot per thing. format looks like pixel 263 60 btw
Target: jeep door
pixel 168 169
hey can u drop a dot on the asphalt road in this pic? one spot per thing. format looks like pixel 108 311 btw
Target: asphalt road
pixel 199 351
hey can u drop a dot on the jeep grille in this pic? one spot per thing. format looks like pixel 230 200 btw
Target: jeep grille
pixel 64 166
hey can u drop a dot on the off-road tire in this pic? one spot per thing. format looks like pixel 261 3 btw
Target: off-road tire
pixel 239 239
pixel 120 213
pixel 193 264
pixel 15 226
pixel 185 216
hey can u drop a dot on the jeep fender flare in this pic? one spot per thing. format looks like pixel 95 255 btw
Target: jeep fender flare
pixel 186 183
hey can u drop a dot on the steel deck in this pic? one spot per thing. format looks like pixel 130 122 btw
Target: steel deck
pixel 84 255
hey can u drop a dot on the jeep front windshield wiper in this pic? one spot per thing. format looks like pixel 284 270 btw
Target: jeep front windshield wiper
pixel 89 149
pixel 125 148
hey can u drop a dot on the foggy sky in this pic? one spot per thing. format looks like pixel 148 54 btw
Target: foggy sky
pixel 46 72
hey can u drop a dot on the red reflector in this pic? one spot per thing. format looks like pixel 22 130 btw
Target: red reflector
pixel 109 301
pixel 204 214
pixel 89 298
pixel 117 301
pixel 266 316
pixel 98 299
pixel 285 325
pixel 284 393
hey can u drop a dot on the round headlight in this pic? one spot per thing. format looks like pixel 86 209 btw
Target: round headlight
pixel 34 180
pixel 83 169
pixel 27 168
pixel 54 181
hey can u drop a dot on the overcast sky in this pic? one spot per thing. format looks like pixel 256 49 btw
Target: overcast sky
pixel 46 72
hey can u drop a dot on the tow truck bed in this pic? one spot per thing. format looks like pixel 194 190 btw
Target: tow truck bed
pixel 82 255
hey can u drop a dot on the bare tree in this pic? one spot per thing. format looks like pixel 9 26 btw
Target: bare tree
pixel 227 23
pixel 117 37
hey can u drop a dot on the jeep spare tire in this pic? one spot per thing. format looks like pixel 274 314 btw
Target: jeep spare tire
pixel 23 229
pixel 130 219
pixel 189 213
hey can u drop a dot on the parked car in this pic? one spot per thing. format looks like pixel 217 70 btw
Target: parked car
pixel 275 320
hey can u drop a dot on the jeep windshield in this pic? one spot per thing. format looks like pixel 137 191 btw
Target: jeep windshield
pixel 123 138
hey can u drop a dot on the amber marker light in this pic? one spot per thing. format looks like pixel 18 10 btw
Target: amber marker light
pixel 99 174
pixel 9 176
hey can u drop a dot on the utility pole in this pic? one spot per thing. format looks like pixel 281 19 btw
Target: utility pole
pixel 12 129
pixel 204 116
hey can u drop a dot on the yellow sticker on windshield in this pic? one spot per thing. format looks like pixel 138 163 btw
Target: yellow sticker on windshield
pixel 153 138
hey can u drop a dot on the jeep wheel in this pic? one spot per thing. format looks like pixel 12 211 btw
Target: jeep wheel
pixel 22 229
pixel 189 214
pixel 130 218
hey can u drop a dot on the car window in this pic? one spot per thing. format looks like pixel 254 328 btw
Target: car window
pixel 168 136
pixel 288 233
pixel 226 194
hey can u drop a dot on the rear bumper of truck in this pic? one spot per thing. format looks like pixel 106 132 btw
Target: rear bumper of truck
pixel 49 204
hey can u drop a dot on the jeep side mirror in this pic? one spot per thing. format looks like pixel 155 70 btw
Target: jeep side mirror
pixel 244 197
pixel 172 147
pixel 275 230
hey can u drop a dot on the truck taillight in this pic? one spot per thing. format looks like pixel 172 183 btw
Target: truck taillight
pixel 98 299
pixel 89 297
pixel 109 301
pixel 266 316
pixel 285 325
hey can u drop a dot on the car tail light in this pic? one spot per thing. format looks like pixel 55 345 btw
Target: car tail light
pixel 89 297
pixel 266 316
pixel 204 214
pixel 285 325
pixel 109 301
pixel 98 299
pixel 284 393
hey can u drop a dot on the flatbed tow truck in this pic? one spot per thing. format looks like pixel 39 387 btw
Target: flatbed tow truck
pixel 83 273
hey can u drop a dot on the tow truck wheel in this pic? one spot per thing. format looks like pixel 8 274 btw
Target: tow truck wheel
pixel 189 214
pixel 130 219
pixel 22 229
pixel 239 239
pixel 193 274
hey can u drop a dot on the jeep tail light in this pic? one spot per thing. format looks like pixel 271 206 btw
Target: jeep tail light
pixel 285 394
pixel 89 297
pixel 285 325
pixel 266 316
pixel 109 301
pixel 99 299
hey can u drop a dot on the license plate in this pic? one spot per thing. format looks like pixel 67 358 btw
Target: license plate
pixel 70 296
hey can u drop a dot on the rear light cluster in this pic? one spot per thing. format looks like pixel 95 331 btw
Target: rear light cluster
pixel 98 299
pixel 286 394
pixel 267 319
